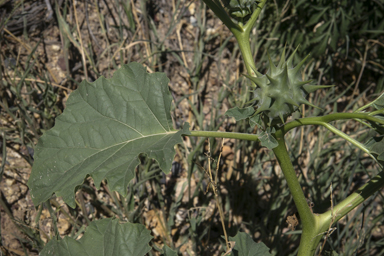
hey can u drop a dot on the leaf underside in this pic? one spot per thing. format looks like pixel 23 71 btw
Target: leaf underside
pixel 104 237
pixel 103 129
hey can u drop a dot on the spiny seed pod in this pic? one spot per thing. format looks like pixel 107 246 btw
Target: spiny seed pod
pixel 280 91
pixel 240 9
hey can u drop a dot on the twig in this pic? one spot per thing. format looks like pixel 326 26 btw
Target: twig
pixel 39 81
pixel 140 28
pixel 330 229
pixel 81 42
pixel 181 43
pixel 49 10
pixel 213 184
pixel 364 61
pixel 89 27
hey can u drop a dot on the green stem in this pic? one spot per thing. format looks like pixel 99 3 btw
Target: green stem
pixel 324 120
pixel 344 136
pixel 377 112
pixel 308 219
pixel 245 48
pixel 347 138
pixel 220 12
pixel 242 37
pixel 314 230
pixel 369 104
pixel 328 118
pixel 251 22
pixel 241 32
pixel 327 219
pixel 353 200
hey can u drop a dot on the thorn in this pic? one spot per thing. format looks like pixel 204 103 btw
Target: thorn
pixel 272 67
pixel 272 80
pixel 256 80
pixel 304 101
pixel 311 88
pixel 251 101
pixel 285 76
pixel 296 69
pixel 256 72
pixel 282 58
pixel 260 109
pixel 291 101
pixel 302 83
pixel 290 59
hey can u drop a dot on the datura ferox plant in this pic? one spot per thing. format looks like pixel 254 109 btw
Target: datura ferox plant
pixel 109 122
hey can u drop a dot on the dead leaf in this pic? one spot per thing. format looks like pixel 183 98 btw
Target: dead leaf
pixel 292 222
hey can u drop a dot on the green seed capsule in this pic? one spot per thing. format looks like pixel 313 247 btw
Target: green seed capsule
pixel 281 91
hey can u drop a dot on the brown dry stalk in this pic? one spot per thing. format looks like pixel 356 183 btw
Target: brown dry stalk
pixel 330 229
pixel 213 184
pixel 81 43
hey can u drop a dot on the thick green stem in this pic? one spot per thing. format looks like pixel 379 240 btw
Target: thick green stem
pixel 242 37
pixel 308 219
pixel 325 220
pixel 251 22
pixel 245 48
pixel 313 232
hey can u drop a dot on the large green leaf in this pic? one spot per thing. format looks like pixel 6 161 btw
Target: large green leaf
pixel 245 246
pixel 104 237
pixel 103 129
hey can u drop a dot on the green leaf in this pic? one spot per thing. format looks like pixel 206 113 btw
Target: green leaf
pixel 316 18
pixel 334 37
pixel 322 46
pixel 256 120
pixel 379 128
pixel 103 129
pixel 376 147
pixel 267 140
pixel 240 113
pixel 168 251
pixel 245 246
pixel 104 237
pixel 320 38
pixel 379 102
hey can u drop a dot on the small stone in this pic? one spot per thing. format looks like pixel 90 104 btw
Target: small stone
pixel 56 47
pixel 10 182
